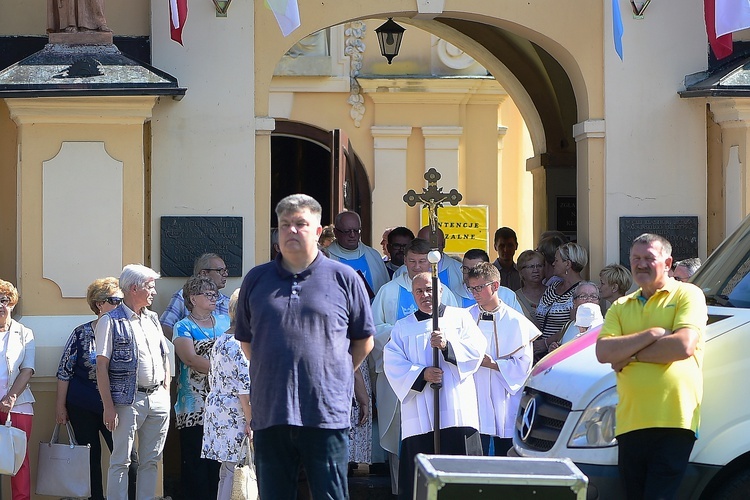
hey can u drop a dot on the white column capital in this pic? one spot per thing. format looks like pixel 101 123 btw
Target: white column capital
pixel 264 125
pixel 390 137
pixel 442 131
pixel 588 129
pixel 390 130
pixel 442 137
pixel 730 112
pixel 501 131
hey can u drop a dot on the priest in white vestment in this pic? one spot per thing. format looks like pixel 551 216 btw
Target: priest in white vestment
pixel 349 250
pixel 393 302
pixel 507 360
pixel 407 362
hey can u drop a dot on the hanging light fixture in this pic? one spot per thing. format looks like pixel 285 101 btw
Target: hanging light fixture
pixel 389 36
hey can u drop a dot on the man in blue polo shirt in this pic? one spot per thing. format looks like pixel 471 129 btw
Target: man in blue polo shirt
pixel 305 325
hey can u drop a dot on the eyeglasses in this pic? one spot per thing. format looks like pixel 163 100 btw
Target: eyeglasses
pixel 221 270
pixel 4 301
pixel 350 232
pixel 533 266
pixel 398 246
pixel 478 288
pixel 115 301
pixel 587 296
pixel 210 295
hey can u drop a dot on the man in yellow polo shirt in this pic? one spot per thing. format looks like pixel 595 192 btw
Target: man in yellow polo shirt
pixel 653 339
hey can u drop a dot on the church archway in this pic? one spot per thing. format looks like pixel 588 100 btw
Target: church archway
pixel 546 68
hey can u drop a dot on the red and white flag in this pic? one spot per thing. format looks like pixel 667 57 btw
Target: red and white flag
pixel 731 16
pixel 178 12
pixel 720 45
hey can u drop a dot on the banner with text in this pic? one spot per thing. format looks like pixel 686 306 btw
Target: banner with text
pixel 465 227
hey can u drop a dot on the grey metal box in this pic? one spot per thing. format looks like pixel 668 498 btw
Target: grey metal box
pixel 447 477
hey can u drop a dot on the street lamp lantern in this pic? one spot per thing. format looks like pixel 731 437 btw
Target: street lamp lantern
pixel 389 37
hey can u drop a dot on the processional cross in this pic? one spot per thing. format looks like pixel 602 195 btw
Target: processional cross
pixel 432 198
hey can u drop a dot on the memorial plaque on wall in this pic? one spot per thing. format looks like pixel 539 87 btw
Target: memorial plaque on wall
pixel 680 231
pixel 183 239
pixel 567 214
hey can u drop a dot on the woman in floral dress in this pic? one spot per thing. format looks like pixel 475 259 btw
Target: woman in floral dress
pixel 194 337
pixel 226 420
pixel 360 432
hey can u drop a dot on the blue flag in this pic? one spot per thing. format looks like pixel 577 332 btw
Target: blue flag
pixel 617 28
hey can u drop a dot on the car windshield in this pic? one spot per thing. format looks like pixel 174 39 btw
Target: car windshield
pixel 725 276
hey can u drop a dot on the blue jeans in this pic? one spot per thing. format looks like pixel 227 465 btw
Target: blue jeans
pixel 324 453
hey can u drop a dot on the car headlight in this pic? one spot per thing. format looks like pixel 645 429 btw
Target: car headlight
pixel 596 427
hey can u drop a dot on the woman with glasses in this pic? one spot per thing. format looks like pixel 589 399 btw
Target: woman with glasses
pixel 556 303
pixel 78 398
pixel 194 337
pixel 17 367
pixel 530 265
pixel 586 294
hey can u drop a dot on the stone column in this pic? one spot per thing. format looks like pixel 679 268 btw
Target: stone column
pixel 590 198
pixel 441 151
pixel 733 116
pixel 389 186
pixel 264 125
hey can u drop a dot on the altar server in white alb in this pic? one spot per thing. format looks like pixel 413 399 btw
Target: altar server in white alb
pixel 393 302
pixel 408 366
pixel 507 359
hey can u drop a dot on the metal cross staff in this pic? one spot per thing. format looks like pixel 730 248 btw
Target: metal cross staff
pixel 433 198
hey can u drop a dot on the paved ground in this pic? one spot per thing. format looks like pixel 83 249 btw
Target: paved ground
pixel 362 486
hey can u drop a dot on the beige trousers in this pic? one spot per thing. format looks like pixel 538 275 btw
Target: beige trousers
pixel 148 418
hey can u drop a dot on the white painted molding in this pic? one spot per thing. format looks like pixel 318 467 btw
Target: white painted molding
pixel 390 137
pixel 429 9
pixel 452 56
pixel 730 113
pixel 354 47
pixel 501 131
pixel 264 125
pixel 76 247
pixel 589 129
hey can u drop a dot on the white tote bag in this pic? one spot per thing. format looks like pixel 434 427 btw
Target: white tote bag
pixel 13 446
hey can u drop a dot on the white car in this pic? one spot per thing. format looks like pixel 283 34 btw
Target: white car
pixel 568 403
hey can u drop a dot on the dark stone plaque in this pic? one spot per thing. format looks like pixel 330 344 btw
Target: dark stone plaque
pixel 183 239
pixel 567 214
pixel 680 231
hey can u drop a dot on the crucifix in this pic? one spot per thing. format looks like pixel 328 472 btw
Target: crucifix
pixel 432 198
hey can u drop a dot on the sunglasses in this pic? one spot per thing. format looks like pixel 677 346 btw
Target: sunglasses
pixel 115 301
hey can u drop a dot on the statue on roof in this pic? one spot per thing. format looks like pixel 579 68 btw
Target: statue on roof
pixel 73 16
